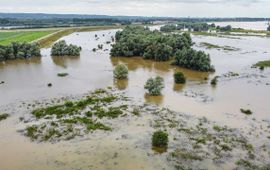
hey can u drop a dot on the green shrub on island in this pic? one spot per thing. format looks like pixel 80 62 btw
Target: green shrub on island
pixel 120 72
pixel 160 139
pixel 19 50
pixel 179 78
pixel 192 59
pixel 61 48
pixel 154 86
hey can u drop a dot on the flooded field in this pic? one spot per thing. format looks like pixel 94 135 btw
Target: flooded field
pixel 129 147
pixel 261 25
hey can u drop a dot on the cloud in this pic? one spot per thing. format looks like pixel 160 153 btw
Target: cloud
pixel 178 8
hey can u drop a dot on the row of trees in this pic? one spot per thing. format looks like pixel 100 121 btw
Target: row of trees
pixel 61 48
pixel 140 41
pixel 194 26
pixel 19 50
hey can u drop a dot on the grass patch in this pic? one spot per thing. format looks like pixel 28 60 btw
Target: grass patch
pixel 186 155
pixel 262 64
pixel 22 36
pixel 3 116
pixel 62 74
pixel 213 46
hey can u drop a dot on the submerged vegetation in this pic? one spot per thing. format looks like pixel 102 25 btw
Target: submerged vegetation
pixel 154 86
pixel 154 45
pixel 3 116
pixel 263 64
pixel 246 111
pixel 19 50
pixel 62 49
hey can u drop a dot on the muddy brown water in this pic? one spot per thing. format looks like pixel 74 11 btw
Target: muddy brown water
pixel 27 80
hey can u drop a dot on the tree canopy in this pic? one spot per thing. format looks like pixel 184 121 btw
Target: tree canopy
pixel 61 48
pixel 19 50
pixel 155 45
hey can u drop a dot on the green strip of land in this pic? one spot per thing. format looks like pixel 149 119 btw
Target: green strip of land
pixel 45 37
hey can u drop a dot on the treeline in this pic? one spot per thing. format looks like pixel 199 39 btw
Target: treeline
pixel 59 22
pixel 154 45
pixel 194 26
pixel 19 50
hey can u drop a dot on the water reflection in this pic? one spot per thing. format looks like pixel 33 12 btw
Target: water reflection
pixel 178 87
pixel 121 84
pixel 17 62
pixel 135 63
pixel 158 100
pixel 63 61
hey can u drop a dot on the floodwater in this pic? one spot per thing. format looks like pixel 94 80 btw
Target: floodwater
pixel 260 25
pixel 27 80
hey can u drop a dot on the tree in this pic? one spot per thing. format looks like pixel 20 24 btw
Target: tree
pixel 179 78
pixel 120 72
pixel 19 50
pixel 192 59
pixel 62 49
pixel 268 29
pixel 154 86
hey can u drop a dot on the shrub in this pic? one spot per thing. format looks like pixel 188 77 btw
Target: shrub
pixel 160 139
pixel 179 78
pixel 3 116
pixel 247 112
pixel 214 81
pixel 62 49
pixel 192 59
pixel 120 72
pixel 154 86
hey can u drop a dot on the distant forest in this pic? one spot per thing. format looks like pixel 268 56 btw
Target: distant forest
pixel 39 20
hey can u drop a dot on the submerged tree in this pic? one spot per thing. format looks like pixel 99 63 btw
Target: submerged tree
pixel 154 86
pixel 120 72
pixel 192 59
pixel 62 49
pixel 19 50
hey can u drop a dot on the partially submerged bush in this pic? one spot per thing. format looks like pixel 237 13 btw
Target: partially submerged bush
pixel 160 139
pixel 246 111
pixel 3 116
pixel 154 86
pixel 120 72
pixel 62 49
pixel 179 78
pixel 214 81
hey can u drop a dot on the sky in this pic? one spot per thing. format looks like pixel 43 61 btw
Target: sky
pixel 171 8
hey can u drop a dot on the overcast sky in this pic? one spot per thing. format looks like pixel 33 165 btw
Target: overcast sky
pixel 177 8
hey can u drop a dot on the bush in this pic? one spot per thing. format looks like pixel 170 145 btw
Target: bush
pixel 120 72
pixel 179 78
pixel 154 86
pixel 3 116
pixel 192 59
pixel 214 81
pixel 62 49
pixel 247 112
pixel 160 139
